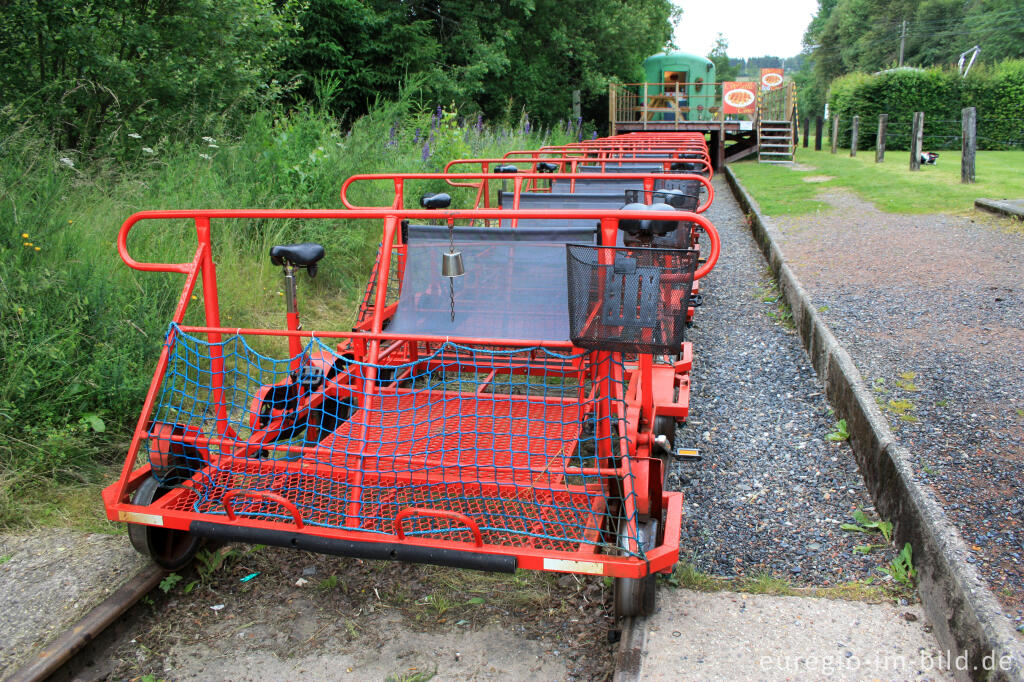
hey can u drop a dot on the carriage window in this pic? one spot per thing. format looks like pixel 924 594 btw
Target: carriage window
pixel 698 84
pixel 673 79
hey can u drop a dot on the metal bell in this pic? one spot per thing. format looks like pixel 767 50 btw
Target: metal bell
pixel 451 264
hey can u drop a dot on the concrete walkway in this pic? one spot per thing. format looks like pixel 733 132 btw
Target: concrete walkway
pixel 729 636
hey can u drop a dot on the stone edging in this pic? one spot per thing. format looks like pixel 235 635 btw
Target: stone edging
pixel 1010 209
pixel 965 614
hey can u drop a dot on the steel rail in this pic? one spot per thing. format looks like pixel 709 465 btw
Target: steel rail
pixel 61 650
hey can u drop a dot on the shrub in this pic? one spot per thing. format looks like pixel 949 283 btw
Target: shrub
pixel 997 92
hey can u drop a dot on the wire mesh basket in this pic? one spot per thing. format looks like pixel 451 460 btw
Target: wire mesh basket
pixel 683 195
pixel 629 299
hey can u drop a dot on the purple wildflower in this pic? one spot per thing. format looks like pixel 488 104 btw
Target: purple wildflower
pixel 416 137
pixel 594 136
pixel 479 123
pixel 426 151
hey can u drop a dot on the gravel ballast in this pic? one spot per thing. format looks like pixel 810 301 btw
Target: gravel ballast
pixel 771 491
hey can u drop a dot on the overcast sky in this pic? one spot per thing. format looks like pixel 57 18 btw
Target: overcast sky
pixel 754 28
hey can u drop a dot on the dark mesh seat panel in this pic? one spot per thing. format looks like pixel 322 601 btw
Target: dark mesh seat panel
pixel 514 286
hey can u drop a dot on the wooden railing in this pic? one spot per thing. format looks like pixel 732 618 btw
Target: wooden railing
pixel 778 104
pixel 664 102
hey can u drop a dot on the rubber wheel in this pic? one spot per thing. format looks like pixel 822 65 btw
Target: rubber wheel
pixel 637 596
pixel 168 548
pixel 665 426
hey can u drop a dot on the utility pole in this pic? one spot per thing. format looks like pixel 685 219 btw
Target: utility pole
pixel 903 40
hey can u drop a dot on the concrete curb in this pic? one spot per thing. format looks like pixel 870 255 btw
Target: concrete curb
pixel 968 619
pixel 1013 208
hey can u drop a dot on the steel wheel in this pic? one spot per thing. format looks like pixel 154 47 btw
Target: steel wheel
pixel 664 426
pixel 636 596
pixel 168 548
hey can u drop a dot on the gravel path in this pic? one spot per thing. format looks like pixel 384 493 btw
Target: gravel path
pixel 771 491
pixel 941 343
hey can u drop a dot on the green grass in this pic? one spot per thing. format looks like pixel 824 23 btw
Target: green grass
pixel 686 575
pixel 890 185
pixel 80 331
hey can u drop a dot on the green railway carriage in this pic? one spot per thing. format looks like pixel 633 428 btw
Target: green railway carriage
pixel 682 81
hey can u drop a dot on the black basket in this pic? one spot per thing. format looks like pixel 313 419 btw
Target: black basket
pixel 629 300
pixel 683 195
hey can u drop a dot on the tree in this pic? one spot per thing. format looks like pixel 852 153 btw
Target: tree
pixel 90 67
pixel 725 70
pixel 496 56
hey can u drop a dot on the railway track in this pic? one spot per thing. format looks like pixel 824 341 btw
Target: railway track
pixel 56 655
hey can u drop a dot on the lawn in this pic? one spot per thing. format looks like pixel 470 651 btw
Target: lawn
pixel 785 190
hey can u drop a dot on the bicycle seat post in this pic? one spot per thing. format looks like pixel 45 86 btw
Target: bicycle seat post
pixel 291 257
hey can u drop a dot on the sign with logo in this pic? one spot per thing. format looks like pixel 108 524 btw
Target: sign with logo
pixel 739 97
pixel 771 79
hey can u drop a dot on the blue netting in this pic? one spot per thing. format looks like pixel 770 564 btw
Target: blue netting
pixel 510 439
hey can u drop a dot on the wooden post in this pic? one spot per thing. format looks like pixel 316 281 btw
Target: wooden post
pixel 720 156
pixel 969 144
pixel 575 103
pixel 916 135
pixel 807 130
pixel 883 123
pixel 612 113
pixel 854 133
pixel 818 125
pixel 643 108
pixel 835 132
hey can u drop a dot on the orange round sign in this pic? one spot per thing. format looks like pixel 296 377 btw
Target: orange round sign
pixel 739 98
pixel 771 80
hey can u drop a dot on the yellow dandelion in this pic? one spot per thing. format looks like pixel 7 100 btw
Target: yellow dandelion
pixel 194 297
pixel 26 244
pixel 37 248
pixel 24 235
pixel 70 221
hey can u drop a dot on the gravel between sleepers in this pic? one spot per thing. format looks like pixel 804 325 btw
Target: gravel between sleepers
pixel 771 491
pixel 931 308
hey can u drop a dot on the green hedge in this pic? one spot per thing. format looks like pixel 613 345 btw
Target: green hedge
pixel 997 91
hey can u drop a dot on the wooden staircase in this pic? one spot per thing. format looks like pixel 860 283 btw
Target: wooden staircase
pixel 776 125
pixel 775 141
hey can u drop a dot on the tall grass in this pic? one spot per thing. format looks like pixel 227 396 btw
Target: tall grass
pixel 79 331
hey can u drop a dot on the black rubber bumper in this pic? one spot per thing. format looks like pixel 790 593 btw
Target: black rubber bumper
pixel 385 551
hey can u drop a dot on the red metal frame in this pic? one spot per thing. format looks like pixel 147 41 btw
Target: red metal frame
pixel 649 393
pixel 518 186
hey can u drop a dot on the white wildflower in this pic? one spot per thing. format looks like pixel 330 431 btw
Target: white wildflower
pixel 213 146
pixel 148 150
pixel 135 136
pixel 208 140
pixel 67 162
pixel 205 156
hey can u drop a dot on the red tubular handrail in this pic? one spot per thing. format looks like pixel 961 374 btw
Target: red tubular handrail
pixel 415 214
pixel 399 178
pixel 273 497
pixel 478 537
